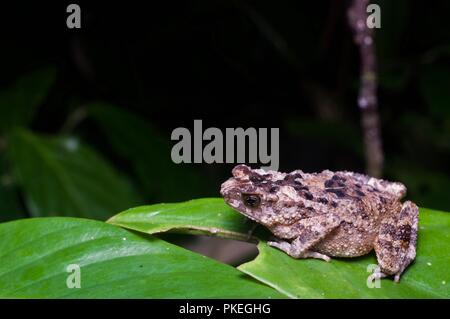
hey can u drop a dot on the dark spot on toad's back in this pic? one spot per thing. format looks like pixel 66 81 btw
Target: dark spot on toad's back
pixel 359 193
pixel 274 189
pixel 323 200
pixel 339 193
pixel 338 178
pixel 255 178
pixel 362 213
pixel 308 195
pixel 329 183
pixel 291 179
pixel 334 204
pixel 300 188
pixel 333 183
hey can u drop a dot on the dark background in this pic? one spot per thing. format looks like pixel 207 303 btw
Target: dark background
pixel 135 72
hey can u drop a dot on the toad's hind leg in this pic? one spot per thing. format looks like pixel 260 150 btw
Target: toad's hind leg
pixel 310 232
pixel 395 244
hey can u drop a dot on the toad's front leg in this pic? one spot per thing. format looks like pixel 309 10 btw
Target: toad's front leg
pixel 395 244
pixel 310 232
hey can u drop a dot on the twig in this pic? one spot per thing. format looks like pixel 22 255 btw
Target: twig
pixel 367 99
pixel 74 118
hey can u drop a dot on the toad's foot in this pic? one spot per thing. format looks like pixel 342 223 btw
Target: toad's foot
pixel 377 275
pixel 380 275
pixel 293 251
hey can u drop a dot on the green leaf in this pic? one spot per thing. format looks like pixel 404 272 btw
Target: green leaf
pixel 148 151
pixel 427 277
pixel 62 176
pixel 201 216
pixel 114 263
pixel 19 102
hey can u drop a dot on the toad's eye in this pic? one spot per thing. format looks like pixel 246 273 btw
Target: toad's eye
pixel 251 200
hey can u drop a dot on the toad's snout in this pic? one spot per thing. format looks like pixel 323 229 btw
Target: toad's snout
pixel 226 188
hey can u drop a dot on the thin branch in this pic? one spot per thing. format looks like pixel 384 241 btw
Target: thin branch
pixel 367 99
pixel 73 120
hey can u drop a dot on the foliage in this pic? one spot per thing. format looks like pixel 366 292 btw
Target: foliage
pixel 19 103
pixel 341 278
pixel 116 262
pixel 65 153
pixel 63 175
pixel 136 140
pixel 66 177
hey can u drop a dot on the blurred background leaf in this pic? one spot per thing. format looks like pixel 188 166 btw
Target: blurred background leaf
pixel 19 102
pixel 63 176
pixel 138 142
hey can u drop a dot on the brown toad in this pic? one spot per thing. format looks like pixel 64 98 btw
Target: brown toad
pixel 340 214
